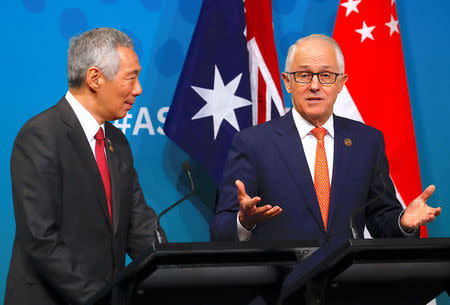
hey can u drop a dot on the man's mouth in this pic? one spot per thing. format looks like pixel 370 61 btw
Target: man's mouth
pixel 129 104
pixel 314 99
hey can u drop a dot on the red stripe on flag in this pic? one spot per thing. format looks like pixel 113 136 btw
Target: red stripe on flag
pixel 258 15
pixel 259 25
pixel 261 99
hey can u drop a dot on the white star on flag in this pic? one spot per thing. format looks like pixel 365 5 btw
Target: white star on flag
pixel 221 102
pixel 365 31
pixel 393 26
pixel 351 6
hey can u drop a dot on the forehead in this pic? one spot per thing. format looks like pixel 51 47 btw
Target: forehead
pixel 314 55
pixel 129 62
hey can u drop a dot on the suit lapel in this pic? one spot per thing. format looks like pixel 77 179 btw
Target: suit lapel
pixel 113 165
pixel 286 140
pixel 80 144
pixel 341 165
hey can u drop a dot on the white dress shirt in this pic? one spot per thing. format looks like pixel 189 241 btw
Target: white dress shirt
pixel 309 141
pixel 88 122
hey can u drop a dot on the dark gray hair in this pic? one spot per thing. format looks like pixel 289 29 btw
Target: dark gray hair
pixel 339 55
pixel 95 48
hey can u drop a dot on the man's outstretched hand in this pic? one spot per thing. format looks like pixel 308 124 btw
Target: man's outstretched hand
pixel 249 213
pixel 418 213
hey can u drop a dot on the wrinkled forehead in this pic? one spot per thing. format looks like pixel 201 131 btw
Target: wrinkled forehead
pixel 129 61
pixel 315 55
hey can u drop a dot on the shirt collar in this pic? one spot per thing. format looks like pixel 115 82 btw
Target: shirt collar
pixel 88 122
pixel 304 127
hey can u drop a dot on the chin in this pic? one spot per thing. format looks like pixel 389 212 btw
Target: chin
pixel 316 114
pixel 118 116
pixel 318 117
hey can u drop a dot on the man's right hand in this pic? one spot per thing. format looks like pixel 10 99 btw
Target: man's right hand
pixel 249 213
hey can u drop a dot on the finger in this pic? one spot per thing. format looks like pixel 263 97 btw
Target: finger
pixel 250 203
pixel 433 211
pixel 436 211
pixel 270 211
pixel 262 210
pixel 254 201
pixel 426 219
pixel 427 193
pixel 274 211
pixel 422 222
pixel 241 188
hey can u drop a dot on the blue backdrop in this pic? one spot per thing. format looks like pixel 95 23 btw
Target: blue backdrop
pixel 34 48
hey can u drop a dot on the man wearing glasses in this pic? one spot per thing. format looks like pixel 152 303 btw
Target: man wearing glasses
pixel 303 175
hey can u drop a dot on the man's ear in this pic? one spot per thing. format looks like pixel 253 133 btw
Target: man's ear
pixel 343 79
pixel 287 82
pixel 94 78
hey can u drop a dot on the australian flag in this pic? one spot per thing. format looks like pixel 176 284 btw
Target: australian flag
pixel 230 80
pixel 212 100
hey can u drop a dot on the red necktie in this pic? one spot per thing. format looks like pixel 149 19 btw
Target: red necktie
pixel 321 179
pixel 103 166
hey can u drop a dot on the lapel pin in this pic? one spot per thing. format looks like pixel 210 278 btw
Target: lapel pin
pixel 348 142
pixel 110 147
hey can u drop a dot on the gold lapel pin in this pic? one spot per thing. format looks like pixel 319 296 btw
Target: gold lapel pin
pixel 348 142
pixel 110 147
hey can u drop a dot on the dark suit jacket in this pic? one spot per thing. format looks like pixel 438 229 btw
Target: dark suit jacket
pixel 270 160
pixel 65 247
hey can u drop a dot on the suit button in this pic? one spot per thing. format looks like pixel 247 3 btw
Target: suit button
pixel 107 278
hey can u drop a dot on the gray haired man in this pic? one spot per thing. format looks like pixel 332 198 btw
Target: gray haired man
pixel 77 201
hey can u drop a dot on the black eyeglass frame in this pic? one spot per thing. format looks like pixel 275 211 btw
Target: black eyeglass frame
pixel 312 76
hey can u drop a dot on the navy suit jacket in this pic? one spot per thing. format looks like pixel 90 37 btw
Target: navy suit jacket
pixel 270 160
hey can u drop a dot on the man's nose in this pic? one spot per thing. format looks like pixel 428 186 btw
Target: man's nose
pixel 137 90
pixel 314 85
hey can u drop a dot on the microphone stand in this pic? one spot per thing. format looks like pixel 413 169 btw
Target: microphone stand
pixel 358 209
pixel 187 170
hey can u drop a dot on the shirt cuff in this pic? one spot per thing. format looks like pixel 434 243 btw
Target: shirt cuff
pixel 408 233
pixel 243 233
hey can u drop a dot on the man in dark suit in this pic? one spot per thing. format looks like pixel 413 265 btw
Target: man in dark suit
pixel 77 201
pixel 302 175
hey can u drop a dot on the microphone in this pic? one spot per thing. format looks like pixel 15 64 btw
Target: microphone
pixel 187 169
pixel 358 209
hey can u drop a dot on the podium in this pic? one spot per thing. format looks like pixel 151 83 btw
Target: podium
pixel 362 272
pixel 371 272
pixel 206 273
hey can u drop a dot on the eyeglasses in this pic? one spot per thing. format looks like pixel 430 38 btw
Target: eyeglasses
pixel 304 77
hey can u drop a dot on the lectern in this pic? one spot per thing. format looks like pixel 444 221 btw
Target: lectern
pixel 371 272
pixel 206 273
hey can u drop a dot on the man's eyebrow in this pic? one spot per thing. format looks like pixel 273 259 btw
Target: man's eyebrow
pixel 307 67
pixel 135 71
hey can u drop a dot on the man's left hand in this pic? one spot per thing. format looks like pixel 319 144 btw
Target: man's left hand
pixel 418 213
